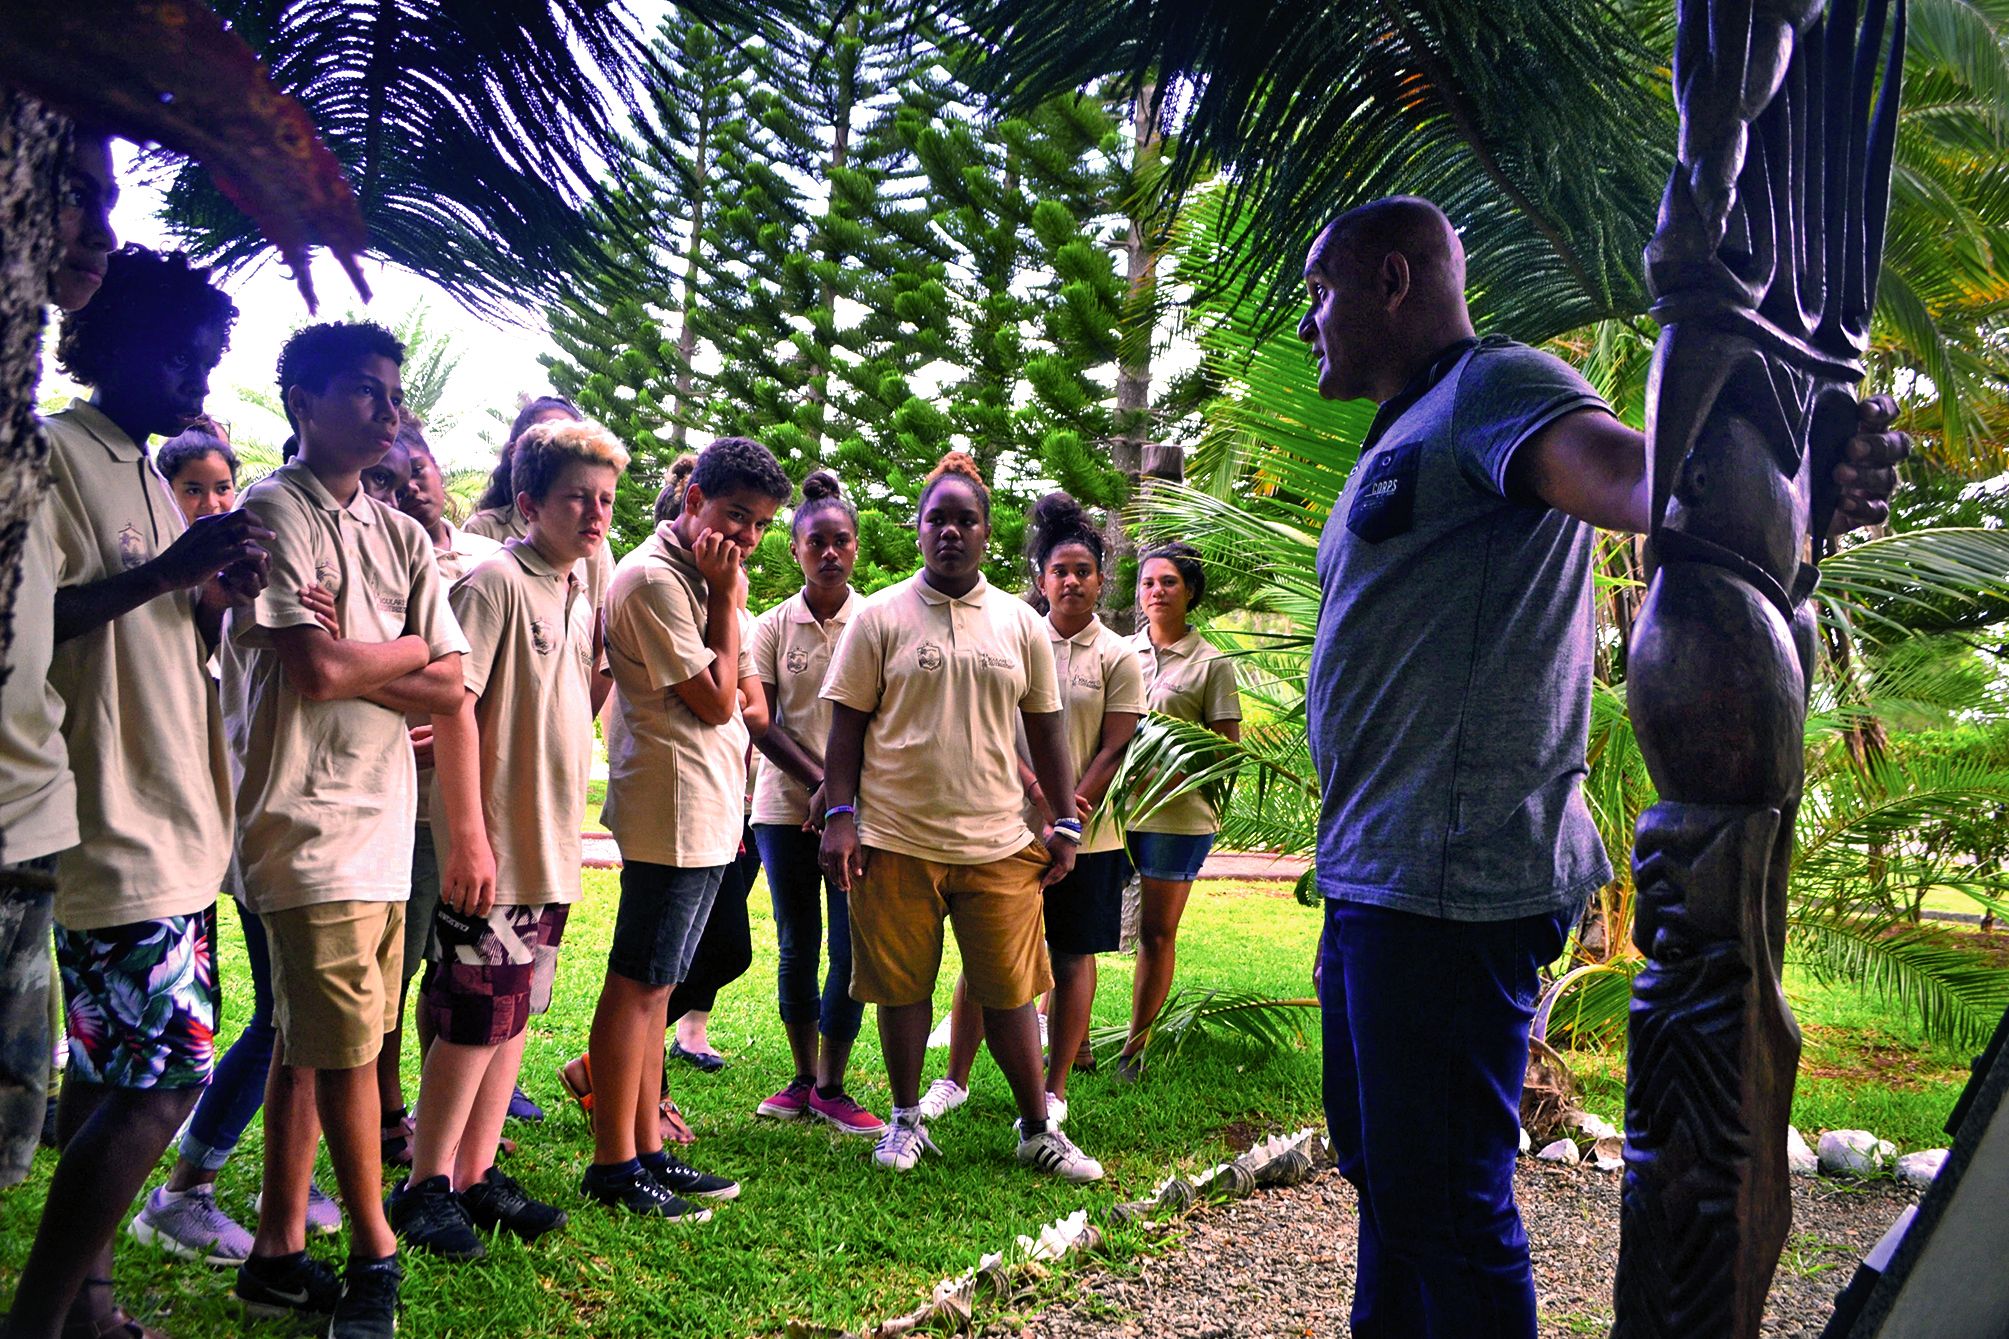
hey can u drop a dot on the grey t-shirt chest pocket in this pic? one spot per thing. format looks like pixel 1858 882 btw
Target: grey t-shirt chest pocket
pixel 1385 506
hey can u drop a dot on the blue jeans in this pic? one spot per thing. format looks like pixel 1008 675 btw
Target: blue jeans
pixel 793 878
pixel 1426 1046
pixel 237 1088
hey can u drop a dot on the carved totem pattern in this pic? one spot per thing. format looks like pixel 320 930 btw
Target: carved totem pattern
pixel 1764 274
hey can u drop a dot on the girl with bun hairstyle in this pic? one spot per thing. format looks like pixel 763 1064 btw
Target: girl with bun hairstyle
pixel 792 645
pixel 1188 680
pixel 924 813
pixel 1102 687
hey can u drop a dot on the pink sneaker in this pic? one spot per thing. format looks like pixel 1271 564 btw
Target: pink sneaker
pixel 791 1103
pixel 845 1113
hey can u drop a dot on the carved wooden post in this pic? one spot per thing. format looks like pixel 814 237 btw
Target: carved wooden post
pixel 1764 273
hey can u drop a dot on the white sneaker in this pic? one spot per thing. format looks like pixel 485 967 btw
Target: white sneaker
pixel 1054 1153
pixel 942 1097
pixel 906 1138
pixel 1056 1109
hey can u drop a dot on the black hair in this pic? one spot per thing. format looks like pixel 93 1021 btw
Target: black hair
pixel 315 355
pixel 740 465
pixel 501 489
pixel 1187 559
pixel 822 490
pixel 1058 519
pixel 200 438
pixel 677 482
pixel 960 465
pixel 146 296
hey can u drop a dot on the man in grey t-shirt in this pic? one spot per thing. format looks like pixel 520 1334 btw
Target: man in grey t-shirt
pixel 1448 708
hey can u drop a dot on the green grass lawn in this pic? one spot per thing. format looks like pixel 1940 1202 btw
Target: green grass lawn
pixel 819 1234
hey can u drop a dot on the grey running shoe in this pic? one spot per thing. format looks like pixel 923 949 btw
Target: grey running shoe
pixel 191 1226
pixel 324 1216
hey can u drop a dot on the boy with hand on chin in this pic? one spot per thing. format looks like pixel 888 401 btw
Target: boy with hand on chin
pixel 326 801
pixel 518 744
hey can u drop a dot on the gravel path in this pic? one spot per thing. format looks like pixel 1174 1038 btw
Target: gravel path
pixel 1280 1265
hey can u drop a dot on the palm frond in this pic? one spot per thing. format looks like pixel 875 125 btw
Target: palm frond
pixel 1952 993
pixel 1918 581
pixel 1269 1024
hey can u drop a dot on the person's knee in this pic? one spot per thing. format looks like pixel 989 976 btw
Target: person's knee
pixel 1158 938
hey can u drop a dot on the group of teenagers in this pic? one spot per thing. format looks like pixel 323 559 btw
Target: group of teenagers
pixel 933 753
pixel 375 729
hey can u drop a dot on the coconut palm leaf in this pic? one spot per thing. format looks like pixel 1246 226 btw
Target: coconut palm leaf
pixel 1319 107
pixel 1952 993
pixel 471 132
pixel 1265 1022
pixel 1939 580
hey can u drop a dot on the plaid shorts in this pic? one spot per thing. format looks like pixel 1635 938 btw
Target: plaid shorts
pixel 142 1001
pixel 485 978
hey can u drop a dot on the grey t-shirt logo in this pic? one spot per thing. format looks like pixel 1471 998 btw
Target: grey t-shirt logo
pixel 797 661
pixel 1385 506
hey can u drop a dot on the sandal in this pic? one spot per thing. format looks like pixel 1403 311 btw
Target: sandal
pixel 577 1076
pixel 113 1324
pixel 675 1129
pixel 398 1137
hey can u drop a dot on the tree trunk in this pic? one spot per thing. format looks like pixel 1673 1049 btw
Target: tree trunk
pixel 1130 444
pixel 687 334
pixel 31 157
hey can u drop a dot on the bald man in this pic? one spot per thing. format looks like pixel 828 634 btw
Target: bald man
pixel 1449 708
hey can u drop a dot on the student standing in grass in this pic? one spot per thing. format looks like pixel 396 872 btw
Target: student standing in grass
pixel 676 774
pixel 792 643
pixel 1103 688
pixel 1188 680
pixel 408 478
pixel 326 800
pixel 495 515
pixel 138 597
pixel 510 801
pixel 38 796
pixel 924 812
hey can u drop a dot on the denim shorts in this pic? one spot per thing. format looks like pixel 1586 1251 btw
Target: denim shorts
pixel 661 919
pixel 424 900
pixel 1084 911
pixel 1174 857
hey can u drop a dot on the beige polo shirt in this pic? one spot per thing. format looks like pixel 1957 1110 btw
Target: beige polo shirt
pixel 506 522
pixel 327 791
pixel 529 632
pixel 676 786
pixel 1098 674
pixel 38 796
pixel 945 679
pixel 141 722
pixel 1189 681
pixel 791 654
pixel 463 550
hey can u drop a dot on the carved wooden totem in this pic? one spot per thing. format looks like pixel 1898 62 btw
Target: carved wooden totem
pixel 1763 273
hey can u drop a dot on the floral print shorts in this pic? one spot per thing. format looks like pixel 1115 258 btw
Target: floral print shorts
pixel 141 1001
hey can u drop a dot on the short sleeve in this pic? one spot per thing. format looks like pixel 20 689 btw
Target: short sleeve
pixel 1123 682
pixel 1042 680
pixel 746 665
pixel 1506 394
pixel 654 623
pixel 481 622
pixel 1223 694
pixel 427 613
pixel 855 678
pixel 766 648
pixel 292 567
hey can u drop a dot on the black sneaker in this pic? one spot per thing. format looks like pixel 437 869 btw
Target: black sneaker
pixel 305 1288
pixel 639 1192
pixel 497 1201
pixel 368 1308
pixel 683 1179
pixel 430 1217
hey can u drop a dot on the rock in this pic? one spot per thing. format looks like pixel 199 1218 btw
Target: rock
pixel 1563 1151
pixel 1594 1128
pixel 1800 1160
pixel 1608 1154
pixel 1918 1169
pixel 1527 1142
pixel 1854 1153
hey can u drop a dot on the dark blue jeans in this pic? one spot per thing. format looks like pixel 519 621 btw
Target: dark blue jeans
pixel 237 1088
pixel 1426 1046
pixel 794 880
